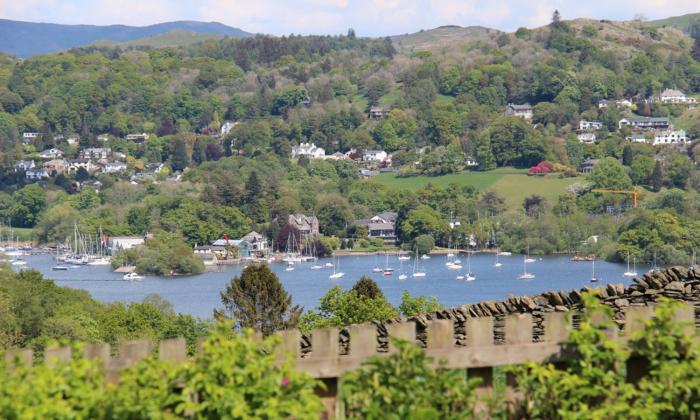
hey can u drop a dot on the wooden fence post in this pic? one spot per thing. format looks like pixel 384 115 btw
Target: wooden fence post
pixel 173 350
pixel 324 345
pixel 635 319
pixel 440 334
pixel 99 351
pixel 56 355
pixel 480 335
pixel 363 340
pixel 290 344
pixel 19 356
pixel 556 327
pixel 134 351
pixel 402 330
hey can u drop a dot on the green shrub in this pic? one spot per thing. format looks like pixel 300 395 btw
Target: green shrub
pixel 405 386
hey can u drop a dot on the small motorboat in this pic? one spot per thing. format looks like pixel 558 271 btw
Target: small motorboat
pixel 132 276
pixel 470 277
pixel 454 267
pixel 316 267
pixel 402 276
pixel 425 257
pixel 59 268
pixel 19 263
pixel 419 274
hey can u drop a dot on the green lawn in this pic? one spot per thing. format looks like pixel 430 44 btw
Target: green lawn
pixel 513 184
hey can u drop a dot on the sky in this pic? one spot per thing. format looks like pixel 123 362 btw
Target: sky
pixel 367 17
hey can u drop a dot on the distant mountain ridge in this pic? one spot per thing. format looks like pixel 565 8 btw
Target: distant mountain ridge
pixel 25 39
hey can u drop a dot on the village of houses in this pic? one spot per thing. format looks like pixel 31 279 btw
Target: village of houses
pixel 657 131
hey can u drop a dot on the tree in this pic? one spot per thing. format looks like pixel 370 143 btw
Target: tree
pixel 179 160
pixel 609 173
pixel 339 308
pixel 641 169
pixel 257 300
pixel 82 174
pixel 29 202
pixel 423 220
pixel 657 177
pixel 423 244
pixel 334 214
pixel 368 288
pixel 412 306
pixel 627 155
pixel 534 205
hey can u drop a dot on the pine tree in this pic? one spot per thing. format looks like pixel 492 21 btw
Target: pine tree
pixel 257 300
pixel 199 152
pixel 556 20
pixel 179 160
pixel 627 155
pixel 368 288
pixel 657 177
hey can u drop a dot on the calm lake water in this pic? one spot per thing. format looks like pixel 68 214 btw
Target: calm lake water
pixel 199 295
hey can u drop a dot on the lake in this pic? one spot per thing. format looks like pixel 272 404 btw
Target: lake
pixel 199 295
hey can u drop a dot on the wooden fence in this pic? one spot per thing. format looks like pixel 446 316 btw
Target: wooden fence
pixel 478 355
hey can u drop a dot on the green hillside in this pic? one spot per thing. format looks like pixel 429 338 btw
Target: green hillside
pixel 680 22
pixel 170 39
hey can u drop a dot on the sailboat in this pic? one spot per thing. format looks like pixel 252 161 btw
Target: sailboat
pixel 593 277
pixel 470 276
pixel 527 256
pixel 404 257
pixel 403 275
pixel 654 268
pixel 376 268
pixel 497 263
pixel 336 274
pixel 292 252
pixel 633 272
pixel 388 271
pixel 525 275
pixel 416 271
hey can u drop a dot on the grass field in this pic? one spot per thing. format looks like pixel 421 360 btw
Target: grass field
pixel 513 184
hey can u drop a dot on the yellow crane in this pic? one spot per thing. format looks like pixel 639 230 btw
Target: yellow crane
pixel 633 193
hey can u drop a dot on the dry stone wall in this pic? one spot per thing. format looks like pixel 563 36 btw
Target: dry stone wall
pixel 680 283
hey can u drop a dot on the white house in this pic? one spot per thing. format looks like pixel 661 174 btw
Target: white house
pixel 637 138
pixel 51 154
pixel 377 113
pixel 586 137
pixel 584 125
pixel 309 150
pixel 103 138
pixel 114 167
pixel 471 162
pixel 673 96
pixel 28 137
pixel 257 243
pixel 644 123
pixel 36 174
pixel 374 155
pixel 120 243
pixel 137 138
pixel 669 137
pixel 227 127
pixel 24 165
pixel 81 163
pixel 96 153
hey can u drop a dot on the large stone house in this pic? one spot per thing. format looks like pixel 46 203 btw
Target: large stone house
pixel 307 225
pixel 522 111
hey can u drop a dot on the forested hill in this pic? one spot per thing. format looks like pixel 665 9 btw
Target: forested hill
pixel 28 38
